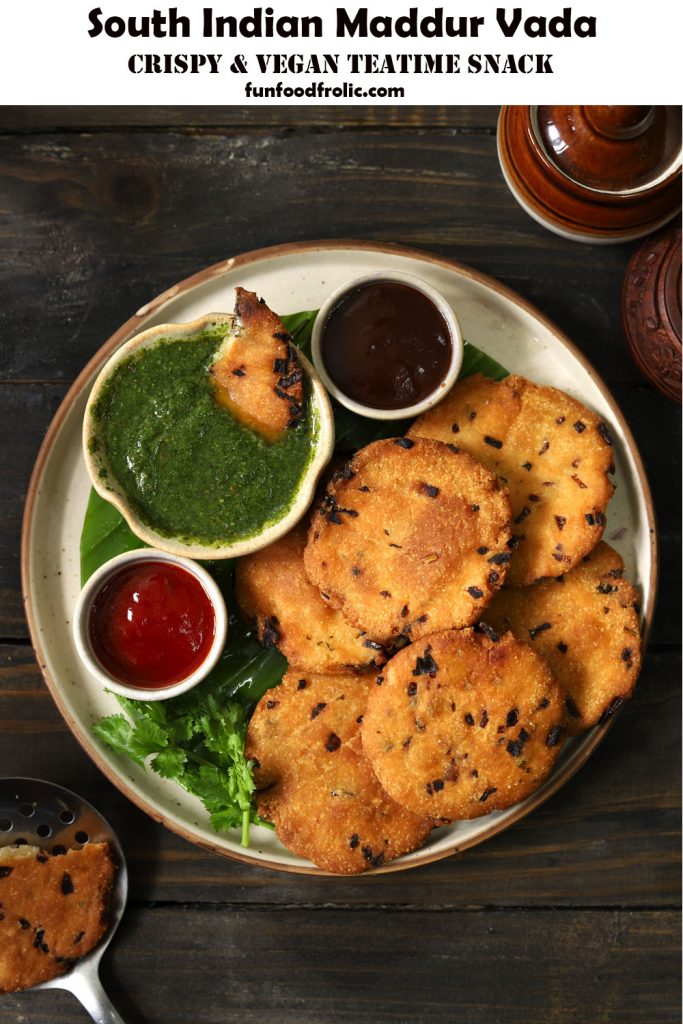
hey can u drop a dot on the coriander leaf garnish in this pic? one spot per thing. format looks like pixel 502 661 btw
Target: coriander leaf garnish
pixel 197 741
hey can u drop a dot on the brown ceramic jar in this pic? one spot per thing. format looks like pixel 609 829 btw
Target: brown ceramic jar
pixel 594 173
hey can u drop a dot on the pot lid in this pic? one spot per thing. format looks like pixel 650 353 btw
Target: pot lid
pixel 610 148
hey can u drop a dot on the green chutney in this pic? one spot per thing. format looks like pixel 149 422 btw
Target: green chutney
pixel 188 469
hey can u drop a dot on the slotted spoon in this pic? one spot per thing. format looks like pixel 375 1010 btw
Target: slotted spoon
pixel 43 814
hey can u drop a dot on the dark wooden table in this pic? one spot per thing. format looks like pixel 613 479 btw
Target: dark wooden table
pixel 570 916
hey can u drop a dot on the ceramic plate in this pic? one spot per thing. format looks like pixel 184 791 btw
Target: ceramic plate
pixel 291 278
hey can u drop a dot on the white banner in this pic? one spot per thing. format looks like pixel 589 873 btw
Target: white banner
pixel 303 52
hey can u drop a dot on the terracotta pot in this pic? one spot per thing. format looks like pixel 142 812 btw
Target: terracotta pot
pixel 651 310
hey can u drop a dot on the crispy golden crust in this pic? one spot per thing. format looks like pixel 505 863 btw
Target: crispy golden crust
pixel 463 724
pixel 256 374
pixel 272 590
pixel 585 625
pixel 316 786
pixel 410 539
pixel 554 455
pixel 53 910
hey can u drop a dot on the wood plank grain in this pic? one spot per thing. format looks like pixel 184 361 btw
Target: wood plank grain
pixel 98 224
pixel 266 966
pixel 608 838
pixel 320 118
pixel 654 421
pixel 25 414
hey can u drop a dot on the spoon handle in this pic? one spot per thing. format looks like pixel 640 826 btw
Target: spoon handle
pixel 87 988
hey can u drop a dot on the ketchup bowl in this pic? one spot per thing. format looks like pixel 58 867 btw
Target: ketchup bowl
pixel 150 625
pixel 387 345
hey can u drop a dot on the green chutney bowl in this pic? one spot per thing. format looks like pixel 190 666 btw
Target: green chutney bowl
pixel 164 535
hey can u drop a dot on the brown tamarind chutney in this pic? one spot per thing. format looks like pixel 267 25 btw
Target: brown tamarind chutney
pixel 386 345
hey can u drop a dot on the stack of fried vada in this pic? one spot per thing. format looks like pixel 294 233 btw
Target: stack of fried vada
pixel 449 616
pixel 315 783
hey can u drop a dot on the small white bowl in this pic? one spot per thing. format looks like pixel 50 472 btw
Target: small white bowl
pixel 447 313
pixel 92 588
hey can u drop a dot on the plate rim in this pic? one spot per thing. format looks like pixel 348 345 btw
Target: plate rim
pixel 126 330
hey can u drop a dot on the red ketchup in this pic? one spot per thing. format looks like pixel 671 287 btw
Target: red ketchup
pixel 152 624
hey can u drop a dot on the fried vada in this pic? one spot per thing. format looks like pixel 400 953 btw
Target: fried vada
pixel 53 910
pixel 412 537
pixel 553 454
pixel 585 624
pixel 256 374
pixel 463 723
pixel 287 611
